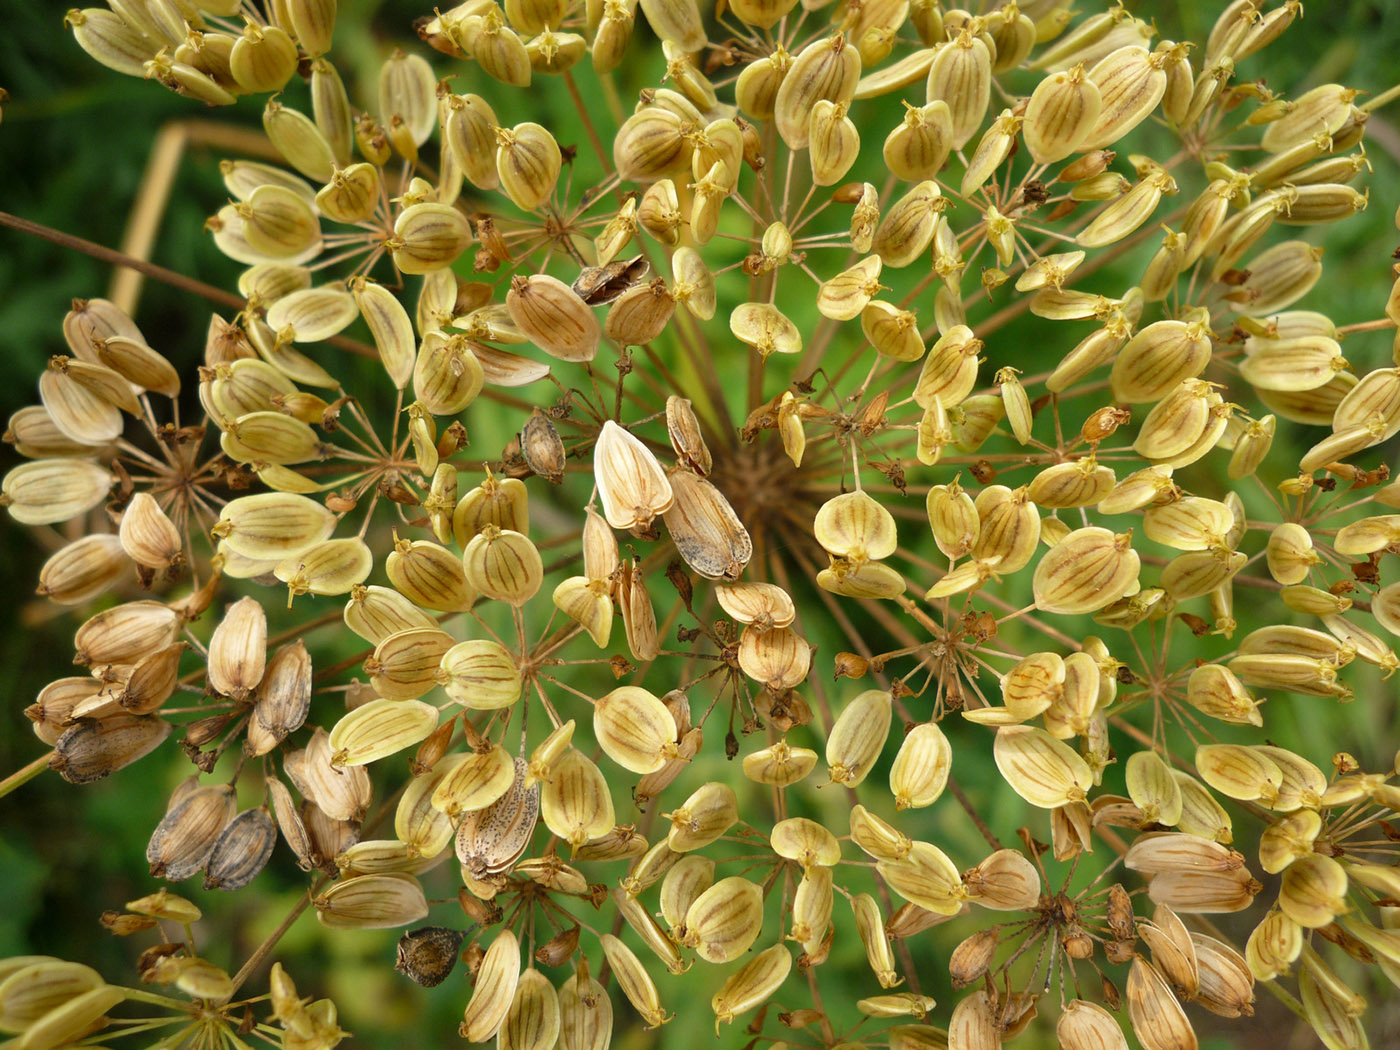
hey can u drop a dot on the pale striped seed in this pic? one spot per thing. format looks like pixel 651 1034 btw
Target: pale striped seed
pixel 724 920
pixel 576 803
pixel 706 815
pixel 471 783
pixel 1088 570
pixel 635 729
pixel 1063 110
pixel 1042 770
pixel 752 984
pixel 765 328
pixel 878 952
pixel 378 729
pixel 920 769
pixel 404 665
pixel 779 764
pixel 857 736
pixel 827 69
pixel 496 979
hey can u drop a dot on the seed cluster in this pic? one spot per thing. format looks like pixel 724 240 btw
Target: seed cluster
pixel 725 327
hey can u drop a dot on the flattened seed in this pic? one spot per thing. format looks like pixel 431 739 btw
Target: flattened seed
pixel 184 839
pixel 631 483
pixel 372 902
pixel 378 729
pixel 705 529
pixel 1086 571
pixel 241 851
pixel 490 841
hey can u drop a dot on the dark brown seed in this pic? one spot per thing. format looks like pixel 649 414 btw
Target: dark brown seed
pixel 599 285
pixel 428 955
pixel 542 447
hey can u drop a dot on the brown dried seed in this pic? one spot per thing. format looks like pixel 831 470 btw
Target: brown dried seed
pixel 542 447
pixel 124 633
pixel 1157 1017
pixel 706 531
pixel 241 851
pixel 283 699
pixel 687 439
pixel 238 649
pixel 185 837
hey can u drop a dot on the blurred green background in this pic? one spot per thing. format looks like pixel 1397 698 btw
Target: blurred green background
pixel 75 140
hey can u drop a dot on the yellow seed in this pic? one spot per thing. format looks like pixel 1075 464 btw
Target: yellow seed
pixel 878 952
pixel 497 977
pixel 378 729
pixel 752 984
pixel 1063 110
pixel 857 736
pixel 827 69
pixel 575 803
pixel 1086 571
pixel 635 729
pixel 634 981
pixel 1042 770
